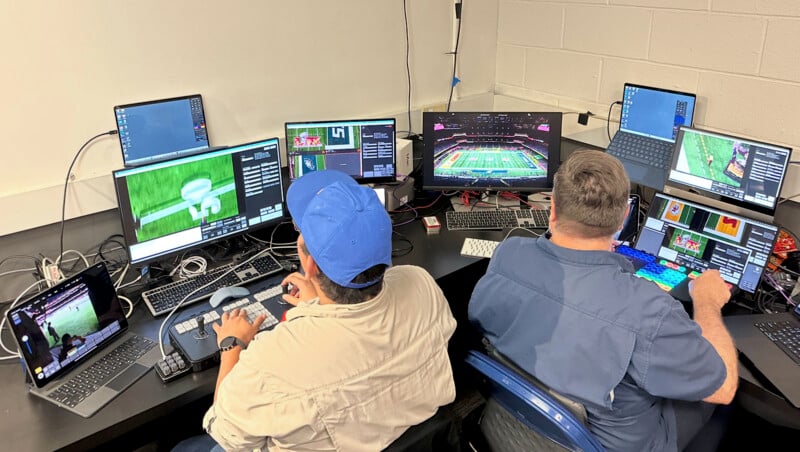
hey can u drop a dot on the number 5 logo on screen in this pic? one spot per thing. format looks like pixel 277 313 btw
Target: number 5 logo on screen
pixel 338 135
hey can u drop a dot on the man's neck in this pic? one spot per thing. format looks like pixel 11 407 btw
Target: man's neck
pixel 580 243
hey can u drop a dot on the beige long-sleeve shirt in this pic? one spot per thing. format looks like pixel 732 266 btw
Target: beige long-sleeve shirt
pixel 341 377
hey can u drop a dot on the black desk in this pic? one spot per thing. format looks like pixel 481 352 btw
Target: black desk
pixel 29 423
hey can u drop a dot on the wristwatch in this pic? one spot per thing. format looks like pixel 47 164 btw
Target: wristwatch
pixel 230 342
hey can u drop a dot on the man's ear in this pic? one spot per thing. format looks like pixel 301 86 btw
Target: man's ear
pixel 310 267
pixel 552 210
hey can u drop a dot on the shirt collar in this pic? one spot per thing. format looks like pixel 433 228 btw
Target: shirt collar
pixel 583 257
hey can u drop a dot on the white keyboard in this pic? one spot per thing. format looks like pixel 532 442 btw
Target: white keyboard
pixel 478 247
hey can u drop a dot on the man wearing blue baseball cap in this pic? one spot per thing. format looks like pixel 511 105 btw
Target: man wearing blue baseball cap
pixel 362 356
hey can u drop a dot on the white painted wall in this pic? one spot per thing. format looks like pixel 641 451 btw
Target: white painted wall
pixel 257 64
pixel 741 58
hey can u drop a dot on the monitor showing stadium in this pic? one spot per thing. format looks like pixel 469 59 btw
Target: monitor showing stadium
pixel 738 171
pixel 172 206
pixel 362 148
pixel 161 129
pixel 491 151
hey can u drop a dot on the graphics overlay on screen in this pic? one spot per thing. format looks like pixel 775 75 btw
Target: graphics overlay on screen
pixel 171 206
pixel 491 151
pixel 738 171
pixel 161 129
pixel 364 149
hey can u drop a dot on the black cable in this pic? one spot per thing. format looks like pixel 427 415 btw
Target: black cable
pixel 408 67
pixel 459 11
pixel 608 122
pixel 66 184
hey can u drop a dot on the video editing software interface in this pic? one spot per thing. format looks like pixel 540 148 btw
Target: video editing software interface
pixel 654 112
pixel 743 172
pixel 690 238
pixel 161 129
pixel 364 149
pixel 67 322
pixel 491 151
pixel 184 203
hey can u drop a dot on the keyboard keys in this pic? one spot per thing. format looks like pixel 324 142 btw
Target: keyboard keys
pixel 497 219
pixel 162 299
pixel 784 334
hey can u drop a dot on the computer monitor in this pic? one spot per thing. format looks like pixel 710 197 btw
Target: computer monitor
pixel 732 171
pixel 172 206
pixel 161 129
pixel 491 151
pixel 691 238
pixel 655 112
pixel 362 148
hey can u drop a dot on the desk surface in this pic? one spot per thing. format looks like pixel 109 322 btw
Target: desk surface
pixel 30 423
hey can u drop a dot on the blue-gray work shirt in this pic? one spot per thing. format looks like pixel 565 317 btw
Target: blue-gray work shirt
pixel 581 322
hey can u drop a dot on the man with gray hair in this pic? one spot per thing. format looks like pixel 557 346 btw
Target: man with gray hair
pixel 568 310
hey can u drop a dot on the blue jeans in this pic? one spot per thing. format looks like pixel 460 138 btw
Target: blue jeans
pixel 198 443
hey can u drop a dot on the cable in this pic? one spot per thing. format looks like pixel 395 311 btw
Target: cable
pixel 608 121
pixel 184 271
pixel 408 66
pixel 459 10
pixel 66 184
pixel 130 305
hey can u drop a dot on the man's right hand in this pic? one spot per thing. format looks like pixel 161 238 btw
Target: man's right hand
pixel 301 289
pixel 709 290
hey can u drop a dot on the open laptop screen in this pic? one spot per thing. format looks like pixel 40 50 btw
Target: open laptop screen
pixel 161 129
pixel 655 112
pixel 57 329
pixel 691 238
pixel 737 171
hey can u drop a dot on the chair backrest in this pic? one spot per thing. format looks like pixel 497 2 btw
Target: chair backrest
pixel 521 412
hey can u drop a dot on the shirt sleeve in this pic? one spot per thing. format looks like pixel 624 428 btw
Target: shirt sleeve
pixel 681 363
pixel 252 406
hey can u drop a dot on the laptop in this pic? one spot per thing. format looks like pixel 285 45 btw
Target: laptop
pixel 681 239
pixel 74 336
pixel 755 343
pixel 649 123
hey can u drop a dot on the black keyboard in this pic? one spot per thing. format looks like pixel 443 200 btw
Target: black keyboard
pixel 645 150
pixel 785 334
pixel 82 385
pixel 498 219
pixel 162 299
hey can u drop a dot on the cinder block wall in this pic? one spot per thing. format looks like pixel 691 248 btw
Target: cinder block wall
pixel 741 58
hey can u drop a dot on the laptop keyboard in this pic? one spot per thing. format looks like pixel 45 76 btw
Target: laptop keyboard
pixel 76 389
pixel 785 334
pixel 645 150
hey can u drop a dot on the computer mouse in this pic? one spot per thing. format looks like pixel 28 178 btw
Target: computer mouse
pixel 226 293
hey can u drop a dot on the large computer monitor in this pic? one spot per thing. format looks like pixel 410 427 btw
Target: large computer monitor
pixel 161 129
pixel 733 172
pixel 172 206
pixel 491 151
pixel 362 148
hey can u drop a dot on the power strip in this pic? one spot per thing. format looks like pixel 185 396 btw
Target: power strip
pixel 478 247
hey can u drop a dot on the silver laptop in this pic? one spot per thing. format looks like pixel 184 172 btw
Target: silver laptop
pixel 649 123
pixel 74 343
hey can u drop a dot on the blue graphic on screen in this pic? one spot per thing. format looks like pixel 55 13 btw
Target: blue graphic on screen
pixel 655 113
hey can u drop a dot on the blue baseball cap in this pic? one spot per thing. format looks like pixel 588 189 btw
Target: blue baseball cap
pixel 344 225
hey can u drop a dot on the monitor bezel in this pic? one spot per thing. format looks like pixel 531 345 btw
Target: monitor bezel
pixel 128 227
pixel 741 207
pixel 327 123
pixel 163 157
pixel 429 142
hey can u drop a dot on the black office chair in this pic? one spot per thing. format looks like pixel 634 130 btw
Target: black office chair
pixel 521 413
pixel 439 433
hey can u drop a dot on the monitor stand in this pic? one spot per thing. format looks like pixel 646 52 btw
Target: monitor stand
pixel 486 202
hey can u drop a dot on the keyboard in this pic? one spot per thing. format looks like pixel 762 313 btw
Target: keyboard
pixel 162 299
pixel 84 384
pixel 498 219
pixel 645 150
pixel 785 334
pixel 253 305
pixel 478 247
